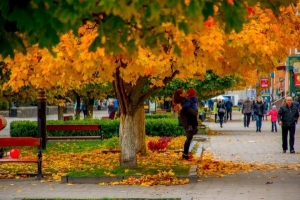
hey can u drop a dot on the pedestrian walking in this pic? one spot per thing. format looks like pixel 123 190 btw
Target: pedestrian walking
pixel 252 112
pixel 111 110
pixel 240 104
pixel 184 115
pixel 258 109
pixel 191 102
pixel 229 106
pixel 221 111
pixel 266 109
pixel 215 107
pixel 274 114
pixel 84 109
pixel 288 115
pixel 246 110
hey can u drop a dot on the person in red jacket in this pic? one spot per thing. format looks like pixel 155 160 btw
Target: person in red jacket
pixel 274 114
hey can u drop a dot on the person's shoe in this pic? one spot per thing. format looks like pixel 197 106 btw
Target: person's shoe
pixel 248 126
pixel 284 151
pixel 272 130
pixel 244 125
pixel 184 156
pixel 256 130
pixel 259 130
pixel 221 126
pixel 292 151
pixel 276 130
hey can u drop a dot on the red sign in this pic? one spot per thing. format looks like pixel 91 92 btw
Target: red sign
pixel 297 79
pixel 264 83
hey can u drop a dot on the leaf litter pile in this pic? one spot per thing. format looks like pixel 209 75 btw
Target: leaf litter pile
pixel 209 166
pixel 85 158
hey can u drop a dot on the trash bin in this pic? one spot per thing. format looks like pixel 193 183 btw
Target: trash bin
pixel 13 111
pixel 65 110
pixel 201 117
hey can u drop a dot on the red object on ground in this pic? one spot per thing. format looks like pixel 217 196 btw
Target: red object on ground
pixel 251 10
pixel 14 153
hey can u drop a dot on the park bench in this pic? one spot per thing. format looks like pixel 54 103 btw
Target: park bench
pixel 161 111
pixel 74 127
pixel 24 141
pixel 68 117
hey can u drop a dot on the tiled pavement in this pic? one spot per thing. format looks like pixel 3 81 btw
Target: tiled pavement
pixel 237 143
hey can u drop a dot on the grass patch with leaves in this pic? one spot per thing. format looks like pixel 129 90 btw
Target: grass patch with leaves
pixel 85 158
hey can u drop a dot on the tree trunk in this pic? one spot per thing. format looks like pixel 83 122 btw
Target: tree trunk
pixel 60 113
pixel 139 130
pixel 90 108
pixel 127 140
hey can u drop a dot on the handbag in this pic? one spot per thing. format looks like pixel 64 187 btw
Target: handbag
pixel 221 110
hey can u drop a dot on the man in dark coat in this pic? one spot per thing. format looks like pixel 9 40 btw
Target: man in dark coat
pixel 287 117
pixel 229 105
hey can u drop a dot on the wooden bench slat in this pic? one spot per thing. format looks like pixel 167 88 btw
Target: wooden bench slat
pixel 19 141
pixel 72 127
pixel 24 141
pixel 31 160
pixel 73 137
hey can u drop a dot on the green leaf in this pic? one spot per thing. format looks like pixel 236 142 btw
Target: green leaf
pixel 96 43
pixel 193 9
pixel 177 50
pixel 183 27
pixel 208 10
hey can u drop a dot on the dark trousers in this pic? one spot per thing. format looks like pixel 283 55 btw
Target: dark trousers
pixel 285 131
pixel 187 143
pixel 229 114
pixel 258 119
pixel 112 115
pixel 216 116
pixel 247 117
pixel 221 117
pixel 274 126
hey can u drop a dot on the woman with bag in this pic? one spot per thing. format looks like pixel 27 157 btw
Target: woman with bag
pixel 185 115
pixel 221 111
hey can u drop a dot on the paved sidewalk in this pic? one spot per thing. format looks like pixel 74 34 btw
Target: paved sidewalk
pixel 237 143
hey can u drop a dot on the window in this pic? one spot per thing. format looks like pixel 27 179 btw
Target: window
pixel 297 51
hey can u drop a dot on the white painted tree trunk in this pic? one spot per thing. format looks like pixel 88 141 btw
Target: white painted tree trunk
pixel 127 139
pixel 139 130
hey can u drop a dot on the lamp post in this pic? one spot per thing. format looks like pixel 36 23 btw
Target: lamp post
pixel 42 116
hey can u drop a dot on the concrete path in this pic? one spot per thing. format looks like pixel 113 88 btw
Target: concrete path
pixel 237 143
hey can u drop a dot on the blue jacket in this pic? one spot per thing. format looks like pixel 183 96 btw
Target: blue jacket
pixel 228 105
pixel 191 103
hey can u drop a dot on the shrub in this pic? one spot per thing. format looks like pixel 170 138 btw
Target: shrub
pixel 4 105
pixel 112 143
pixel 158 116
pixel 110 128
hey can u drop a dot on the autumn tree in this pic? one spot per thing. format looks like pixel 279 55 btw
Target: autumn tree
pixel 44 22
pixel 210 86
pixel 148 44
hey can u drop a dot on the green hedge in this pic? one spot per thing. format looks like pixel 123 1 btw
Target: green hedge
pixel 4 105
pixel 159 116
pixel 110 128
